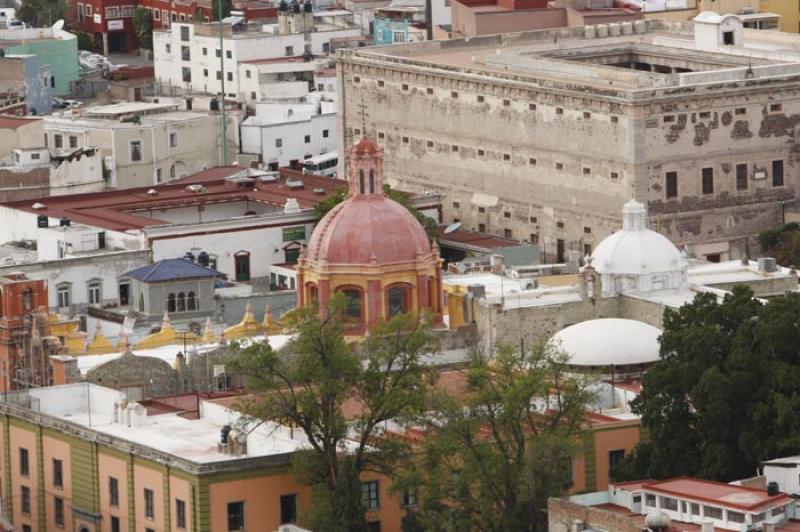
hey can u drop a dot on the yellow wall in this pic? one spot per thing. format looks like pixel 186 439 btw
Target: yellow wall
pixel 789 10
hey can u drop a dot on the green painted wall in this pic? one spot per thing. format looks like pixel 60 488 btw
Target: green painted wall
pixel 60 54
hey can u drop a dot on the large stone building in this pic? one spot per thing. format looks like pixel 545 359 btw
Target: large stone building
pixel 542 136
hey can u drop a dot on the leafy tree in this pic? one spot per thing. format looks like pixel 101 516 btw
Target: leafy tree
pixel 783 243
pixel 403 198
pixel 85 41
pixel 309 383
pixel 38 13
pixel 725 394
pixel 143 26
pixel 496 452
pixel 227 6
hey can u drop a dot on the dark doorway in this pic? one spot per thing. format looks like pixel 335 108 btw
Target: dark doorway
pixel 117 42
pixel 124 294
pixel 560 251
pixel 242 266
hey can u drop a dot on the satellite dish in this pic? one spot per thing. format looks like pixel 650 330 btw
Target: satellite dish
pixel 452 227
pixel 59 24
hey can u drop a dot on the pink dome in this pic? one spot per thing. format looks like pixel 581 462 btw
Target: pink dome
pixel 368 230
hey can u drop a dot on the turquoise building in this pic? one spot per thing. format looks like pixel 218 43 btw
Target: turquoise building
pixel 53 47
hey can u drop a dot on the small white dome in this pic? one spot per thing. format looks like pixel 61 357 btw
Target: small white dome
pixel 636 250
pixel 608 341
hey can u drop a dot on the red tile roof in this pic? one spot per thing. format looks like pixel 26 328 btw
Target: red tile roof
pixel 476 240
pixel 727 495
pixel 115 210
pixel 13 122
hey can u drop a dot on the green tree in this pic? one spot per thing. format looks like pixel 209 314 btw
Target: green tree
pixel 143 26
pixel 85 41
pixel 725 394
pixel 783 243
pixel 308 384
pixel 38 13
pixel 403 198
pixel 227 6
pixel 498 450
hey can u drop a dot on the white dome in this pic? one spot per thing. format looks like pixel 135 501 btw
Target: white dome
pixel 636 250
pixel 608 341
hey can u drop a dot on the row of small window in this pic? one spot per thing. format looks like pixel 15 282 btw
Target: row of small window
pixel 531 219
pixel 714 512
pixel 482 99
pixel 306 139
pixel 94 288
pixel 175 17
pixel 111 12
pixel 181 302
pixel 58 140
pixel 742 178
pixel 739 111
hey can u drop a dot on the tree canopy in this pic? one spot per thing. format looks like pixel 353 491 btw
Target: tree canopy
pixel 308 384
pixel 403 198
pixel 500 448
pixel 725 394
pixel 39 13
pixel 143 26
pixel 227 7
pixel 783 243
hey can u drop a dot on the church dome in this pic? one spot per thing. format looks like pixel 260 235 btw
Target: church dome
pixel 635 249
pixel 367 228
pixel 607 342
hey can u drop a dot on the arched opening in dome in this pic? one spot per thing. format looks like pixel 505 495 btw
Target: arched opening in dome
pixel 354 302
pixel 312 294
pixel 361 181
pixel 372 181
pixel 398 299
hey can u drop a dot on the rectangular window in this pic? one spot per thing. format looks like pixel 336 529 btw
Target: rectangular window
pixel 291 234
pixel 25 500
pixel 94 293
pixel 115 520
pixel 113 492
pixel 185 33
pixel 777 173
pixel 180 513
pixel 481 228
pixel 173 140
pixel 236 515
pixel 307 139
pixel 409 498
pixel 369 495
pixel 615 457
pixel 289 51
pixel 708 180
pixel 58 473
pixel 58 141
pixel 288 508
pixel 149 504
pixel 136 150
pixel 741 177
pixel 186 74
pixel 58 507
pixel 279 143
pixel 671 184
pixel 228 54
pixel 186 52
pixel 508 233
pixel 63 295
pixel 325 133
pixel 24 464
pixel 230 76
pixel 73 141
pixel 735 517
pixel 669 503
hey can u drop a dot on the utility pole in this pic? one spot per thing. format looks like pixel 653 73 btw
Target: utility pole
pixel 223 160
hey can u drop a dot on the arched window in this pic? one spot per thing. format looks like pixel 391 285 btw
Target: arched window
pixel 372 181
pixel 397 300
pixel 361 180
pixel 171 303
pixel 191 302
pixel 181 302
pixel 353 308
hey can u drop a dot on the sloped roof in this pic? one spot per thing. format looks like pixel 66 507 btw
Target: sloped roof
pixel 171 270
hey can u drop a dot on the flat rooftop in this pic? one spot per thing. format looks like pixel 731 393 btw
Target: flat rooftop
pixel 726 495
pixel 139 208
pixel 647 55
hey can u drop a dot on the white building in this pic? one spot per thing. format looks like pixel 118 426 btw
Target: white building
pixel 282 134
pixel 187 56
pixel 244 220
pixel 143 143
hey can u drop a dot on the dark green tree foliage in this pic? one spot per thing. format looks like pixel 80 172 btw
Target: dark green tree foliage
pixel 497 452
pixel 227 6
pixel 85 41
pixel 307 385
pixel 39 13
pixel 783 243
pixel 143 26
pixel 403 198
pixel 726 393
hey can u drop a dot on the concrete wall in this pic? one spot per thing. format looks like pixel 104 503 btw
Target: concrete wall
pixel 60 54
pixel 472 20
pixel 562 514
pixel 30 135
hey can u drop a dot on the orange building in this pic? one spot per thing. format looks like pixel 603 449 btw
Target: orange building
pixel 372 250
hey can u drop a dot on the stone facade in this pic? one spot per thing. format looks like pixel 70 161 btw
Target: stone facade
pixel 557 153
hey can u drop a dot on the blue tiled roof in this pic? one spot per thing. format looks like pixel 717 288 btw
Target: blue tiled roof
pixel 171 270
